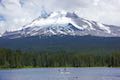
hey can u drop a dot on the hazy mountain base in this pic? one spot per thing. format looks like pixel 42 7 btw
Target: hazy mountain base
pixel 83 44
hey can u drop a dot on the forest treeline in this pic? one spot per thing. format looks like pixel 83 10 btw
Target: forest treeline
pixel 18 59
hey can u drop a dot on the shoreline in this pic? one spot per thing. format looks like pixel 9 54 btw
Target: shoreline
pixel 51 67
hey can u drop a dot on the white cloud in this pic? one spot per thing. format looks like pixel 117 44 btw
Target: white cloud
pixel 20 12
pixel 2 28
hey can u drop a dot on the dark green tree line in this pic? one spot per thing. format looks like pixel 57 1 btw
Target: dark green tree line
pixel 18 59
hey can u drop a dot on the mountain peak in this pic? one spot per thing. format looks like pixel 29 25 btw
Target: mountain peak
pixel 72 15
pixel 44 13
pixel 64 23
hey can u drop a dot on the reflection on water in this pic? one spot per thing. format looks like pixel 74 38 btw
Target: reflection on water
pixel 61 74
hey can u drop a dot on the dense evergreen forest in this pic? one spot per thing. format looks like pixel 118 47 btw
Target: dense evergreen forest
pixel 18 59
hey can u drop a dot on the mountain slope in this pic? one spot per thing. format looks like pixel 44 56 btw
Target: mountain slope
pixel 82 44
pixel 63 23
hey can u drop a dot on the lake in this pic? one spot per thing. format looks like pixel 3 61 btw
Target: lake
pixel 61 74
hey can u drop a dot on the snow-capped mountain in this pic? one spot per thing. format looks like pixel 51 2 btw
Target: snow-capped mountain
pixel 63 23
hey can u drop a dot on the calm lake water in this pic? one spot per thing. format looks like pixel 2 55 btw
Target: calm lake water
pixel 61 74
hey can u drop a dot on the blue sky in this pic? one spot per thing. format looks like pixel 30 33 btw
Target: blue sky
pixel 16 13
pixel 2 18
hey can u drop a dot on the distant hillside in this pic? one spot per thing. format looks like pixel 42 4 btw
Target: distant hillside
pixel 83 44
